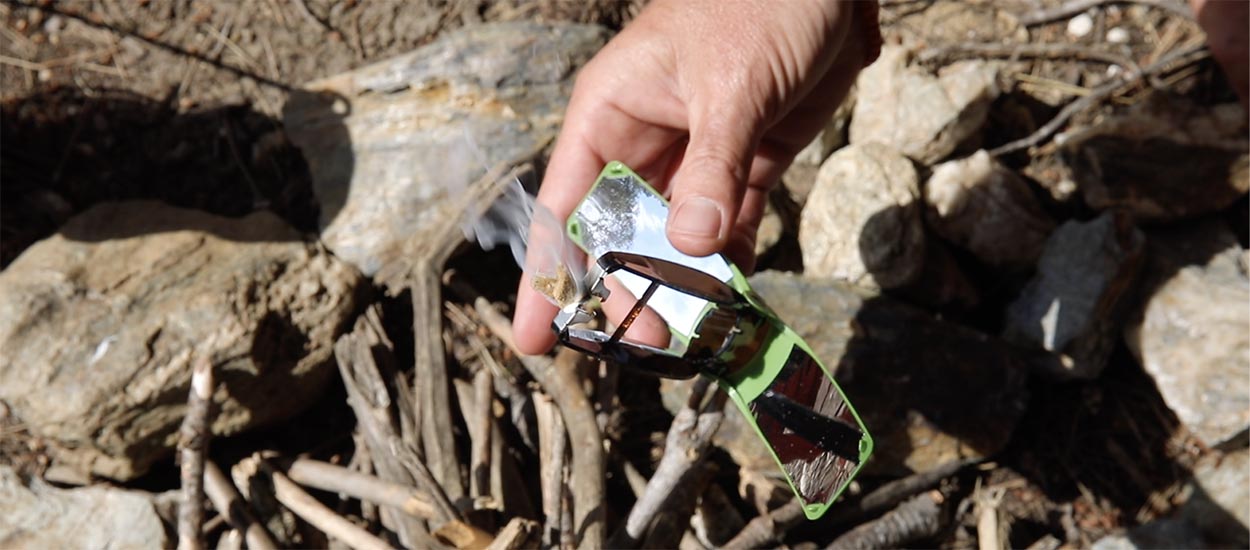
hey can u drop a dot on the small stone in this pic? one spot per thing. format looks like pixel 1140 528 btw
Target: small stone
pixel 1117 35
pixel 921 115
pixel 862 222
pixel 1075 303
pixel 1080 26
pixel 1192 331
pixel 41 516
pixel 986 208
pixel 101 322
pixel 770 231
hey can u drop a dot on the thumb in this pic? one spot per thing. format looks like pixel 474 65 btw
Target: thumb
pixel 708 186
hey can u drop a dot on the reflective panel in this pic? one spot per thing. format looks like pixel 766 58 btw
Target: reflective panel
pixel 622 214
pixel 804 417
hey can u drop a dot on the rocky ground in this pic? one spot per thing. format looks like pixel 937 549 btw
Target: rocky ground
pixel 1022 244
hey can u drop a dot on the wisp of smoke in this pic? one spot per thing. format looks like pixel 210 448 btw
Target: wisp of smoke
pixel 537 239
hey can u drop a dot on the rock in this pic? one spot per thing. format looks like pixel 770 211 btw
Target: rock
pixel 1118 35
pixel 862 222
pixel 1075 303
pixel 770 231
pixel 101 322
pixel 1162 161
pixel 1160 533
pixel 929 391
pixel 986 208
pixel 1080 25
pixel 942 283
pixel 393 146
pixel 1192 330
pixel 1219 499
pixel 41 516
pixel 800 177
pixel 923 116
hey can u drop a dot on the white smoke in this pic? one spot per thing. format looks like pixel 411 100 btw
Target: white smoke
pixel 535 236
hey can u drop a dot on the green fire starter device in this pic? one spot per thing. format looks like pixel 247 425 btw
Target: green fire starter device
pixel 718 327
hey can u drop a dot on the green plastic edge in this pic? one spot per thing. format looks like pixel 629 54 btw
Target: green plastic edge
pixel 756 376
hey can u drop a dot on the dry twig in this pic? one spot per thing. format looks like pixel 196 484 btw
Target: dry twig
pixel 1176 59
pixel 230 504
pixel 1074 7
pixel 516 534
pixel 1029 50
pixel 553 444
pixel 988 526
pixel 317 514
pixel 688 440
pixel 480 454
pixel 370 399
pixel 192 441
pixel 337 479
pixel 894 492
pixel 767 529
pixel 914 519
pixel 559 379
pixel 432 386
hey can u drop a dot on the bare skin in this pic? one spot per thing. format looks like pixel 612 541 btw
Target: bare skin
pixel 1225 22
pixel 709 100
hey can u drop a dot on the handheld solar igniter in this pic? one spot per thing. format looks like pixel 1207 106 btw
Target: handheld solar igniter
pixel 718 327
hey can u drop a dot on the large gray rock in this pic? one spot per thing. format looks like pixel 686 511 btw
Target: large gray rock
pixel 41 516
pixel 1192 333
pixel 101 323
pixel 862 222
pixel 1075 303
pixel 394 146
pixel 923 116
pixel 986 208
pixel 1162 162
pixel 929 391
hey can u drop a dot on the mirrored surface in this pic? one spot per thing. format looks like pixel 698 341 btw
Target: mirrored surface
pixel 804 418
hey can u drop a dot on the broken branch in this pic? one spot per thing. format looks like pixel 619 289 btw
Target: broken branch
pixel 1074 7
pixel 894 492
pixel 1102 92
pixel 687 442
pixel 767 529
pixel 192 440
pixel 317 514
pixel 337 479
pixel 914 519
pixel 230 504
pixel 559 379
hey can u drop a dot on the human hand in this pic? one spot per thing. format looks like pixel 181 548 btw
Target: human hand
pixel 1225 25
pixel 709 101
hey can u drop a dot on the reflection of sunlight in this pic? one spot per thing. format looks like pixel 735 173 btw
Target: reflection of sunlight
pixel 1050 325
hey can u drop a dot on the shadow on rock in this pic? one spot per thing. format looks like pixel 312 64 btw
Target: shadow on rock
pixel 67 150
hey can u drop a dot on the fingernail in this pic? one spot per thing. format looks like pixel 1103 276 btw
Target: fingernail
pixel 697 217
